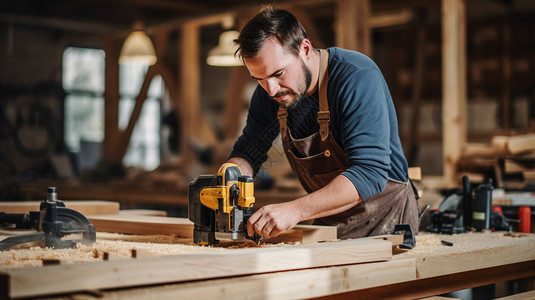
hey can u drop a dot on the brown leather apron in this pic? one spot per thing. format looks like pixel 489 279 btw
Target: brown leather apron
pixel 316 160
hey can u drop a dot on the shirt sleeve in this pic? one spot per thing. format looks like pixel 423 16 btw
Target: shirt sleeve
pixel 365 130
pixel 261 129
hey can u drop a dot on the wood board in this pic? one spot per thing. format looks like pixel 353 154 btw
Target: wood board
pixel 299 284
pixel 60 279
pixel 85 207
pixel 470 251
pixel 512 145
pixel 143 212
pixel 146 225
pixel 182 227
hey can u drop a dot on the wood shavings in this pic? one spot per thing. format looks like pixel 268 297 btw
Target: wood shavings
pixel 119 245
pixel 428 243
pixel 116 245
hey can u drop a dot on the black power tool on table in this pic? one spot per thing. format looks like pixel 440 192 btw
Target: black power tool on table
pixel 220 205
pixel 54 223
pixel 467 209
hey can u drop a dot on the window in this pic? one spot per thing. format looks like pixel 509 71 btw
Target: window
pixel 83 82
pixel 144 148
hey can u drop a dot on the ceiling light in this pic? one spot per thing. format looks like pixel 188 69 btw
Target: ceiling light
pixel 138 48
pixel 223 54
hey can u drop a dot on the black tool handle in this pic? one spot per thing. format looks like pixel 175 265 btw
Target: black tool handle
pixel 21 221
pixel 467 202
pixel 481 206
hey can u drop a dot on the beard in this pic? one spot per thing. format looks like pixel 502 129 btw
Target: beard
pixel 306 80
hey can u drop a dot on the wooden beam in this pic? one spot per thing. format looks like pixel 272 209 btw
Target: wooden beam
pixel 454 95
pixel 182 227
pixel 352 25
pixel 160 270
pixel 89 207
pixel 112 48
pixel 234 103
pixel 195 128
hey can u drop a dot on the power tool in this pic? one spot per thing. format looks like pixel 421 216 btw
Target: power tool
pixel 220 205
pixel 54 224
pixel 465 210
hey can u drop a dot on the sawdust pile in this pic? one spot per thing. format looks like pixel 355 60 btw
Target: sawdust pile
pixel 116 245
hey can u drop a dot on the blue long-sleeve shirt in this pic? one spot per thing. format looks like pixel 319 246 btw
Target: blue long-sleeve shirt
pixel 363 122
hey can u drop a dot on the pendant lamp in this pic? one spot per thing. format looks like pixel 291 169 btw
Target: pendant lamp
pixel 223 54
pixel 138 48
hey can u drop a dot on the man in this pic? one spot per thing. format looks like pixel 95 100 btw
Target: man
pixel 339 131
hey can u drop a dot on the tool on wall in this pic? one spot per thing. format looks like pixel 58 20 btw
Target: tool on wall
pixel 57 226
pixel 220 205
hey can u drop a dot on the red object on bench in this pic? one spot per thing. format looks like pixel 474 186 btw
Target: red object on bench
pixel 524 215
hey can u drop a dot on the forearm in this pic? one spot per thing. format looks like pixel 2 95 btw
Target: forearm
pixel 338 196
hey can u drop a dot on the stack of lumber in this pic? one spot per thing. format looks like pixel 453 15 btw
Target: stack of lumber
pixel 509 159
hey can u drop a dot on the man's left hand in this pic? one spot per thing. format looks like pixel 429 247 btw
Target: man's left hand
pixel 273 219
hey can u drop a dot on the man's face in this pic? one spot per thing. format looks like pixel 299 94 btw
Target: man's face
pixel 285 77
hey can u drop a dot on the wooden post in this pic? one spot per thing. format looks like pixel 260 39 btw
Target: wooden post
pixel 453 85
pixel 352 25
pixel 112 48
pixel 189 83
pixel 234 104
pixel 195 128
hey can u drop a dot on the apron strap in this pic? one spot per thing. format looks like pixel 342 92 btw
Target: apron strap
pixel 282 114
pixel 324 116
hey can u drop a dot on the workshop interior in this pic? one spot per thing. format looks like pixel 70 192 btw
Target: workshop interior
pixel 117 119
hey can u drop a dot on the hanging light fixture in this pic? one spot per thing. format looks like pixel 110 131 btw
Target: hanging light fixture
pixel 222 55
pixel 138 48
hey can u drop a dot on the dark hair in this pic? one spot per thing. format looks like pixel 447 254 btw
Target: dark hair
pixel 270 21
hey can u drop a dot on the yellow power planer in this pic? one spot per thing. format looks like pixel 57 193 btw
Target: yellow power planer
pixel 220 205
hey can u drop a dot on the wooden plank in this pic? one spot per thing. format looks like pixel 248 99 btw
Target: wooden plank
pixel 143 212
pixel 417 289
pixel 85 207
pixel 167 269
pixel 305 234
pixel 300 284
pixel 521 143
pixel 511 167
pixel 415 173
pixel 520 296
pixel 132 224
pixel 454 96
pixel 182 227
pixel 473 252
pixel 511 145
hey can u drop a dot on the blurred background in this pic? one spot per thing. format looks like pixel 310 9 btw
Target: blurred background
pixel 77 111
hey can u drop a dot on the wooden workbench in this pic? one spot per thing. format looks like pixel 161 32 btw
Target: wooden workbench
pixel 431 268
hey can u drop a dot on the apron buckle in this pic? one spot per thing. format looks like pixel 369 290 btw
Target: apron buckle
pixel 324 116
